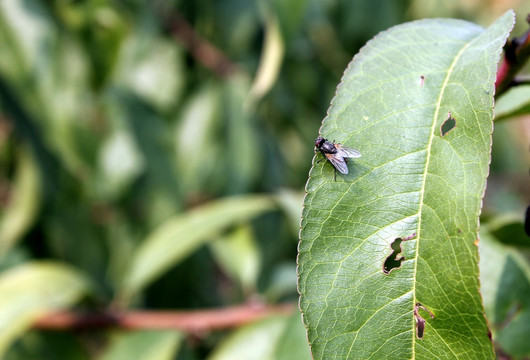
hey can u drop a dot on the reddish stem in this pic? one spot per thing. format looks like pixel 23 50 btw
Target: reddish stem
pixel 188 321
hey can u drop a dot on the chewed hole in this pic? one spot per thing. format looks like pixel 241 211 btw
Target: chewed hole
pixel 448 125
pixel 394 260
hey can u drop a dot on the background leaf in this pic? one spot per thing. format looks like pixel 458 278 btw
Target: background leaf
pixel 515 101
pixel 411 183
pixel 293 343
pixel 143 345
pixel 238 255
pixel 22 209
pixel 505 275
pixel 276 338
pixel 30 290
pixel 181 235
pixel 256 341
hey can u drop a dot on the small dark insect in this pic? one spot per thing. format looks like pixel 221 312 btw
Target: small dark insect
pixel 336 153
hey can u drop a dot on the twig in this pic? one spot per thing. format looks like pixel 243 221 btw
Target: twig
pixel 201 49
pixel 516 54
pixel 188 321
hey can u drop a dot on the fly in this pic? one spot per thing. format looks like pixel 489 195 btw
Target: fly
pixel 337 154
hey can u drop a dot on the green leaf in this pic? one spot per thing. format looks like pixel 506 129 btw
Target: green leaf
pixel 24 202
pixel 282 282
pixel 243 135
pixel 290 203
pixel 293 342
pixel 30 31
pixel 30 290
pixel 144 345
pixel 238 255
pixel 185 233
pixel 410 183
pixel 274 338
pixel 515 101
pixel 198 129
pixel 256 341
pixel 505 279
pixel 55 101
pixel 120 162
pixel 290 16
pixel 151 68
pixel 270 62
pixel 509 229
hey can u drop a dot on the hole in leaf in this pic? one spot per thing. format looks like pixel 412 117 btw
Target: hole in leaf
pixel 448 125
pixel 420 321
pixel 394 260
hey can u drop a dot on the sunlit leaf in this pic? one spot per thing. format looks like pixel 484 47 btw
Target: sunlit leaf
pixel 31 32
pixel 144 345
pixel 30 290
pixel 282 282
pixel 293 342
pixel 290 203
pixel 120 162
pixel 24 203
pixel 256 341
pixel 185 233
pixel 516 101
pixel 151 68
pixel 151 139
pixel 238 255
pixel 271 60
pixel 197 133
pixel 410 184
pixel 56 99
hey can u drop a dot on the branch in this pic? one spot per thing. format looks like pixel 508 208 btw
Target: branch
pixel 201 49
pixel 516 54
pixel 188 321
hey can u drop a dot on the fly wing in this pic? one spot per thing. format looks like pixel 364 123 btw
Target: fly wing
pixel 338 162
pixel 347 152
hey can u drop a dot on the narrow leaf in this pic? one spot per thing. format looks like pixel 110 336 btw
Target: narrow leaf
pixel 183 234
pixel 271 60
pixel 293 342
pixel 256 341
pixel 30 290
pixel 24 202
pixel 515 101
pixel 144 345
pixel 410 184
pixel 238 255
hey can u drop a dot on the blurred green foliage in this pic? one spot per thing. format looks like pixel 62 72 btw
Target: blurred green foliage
pixel 112 128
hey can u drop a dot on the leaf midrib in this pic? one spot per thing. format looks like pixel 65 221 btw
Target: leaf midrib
pixel 424 181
